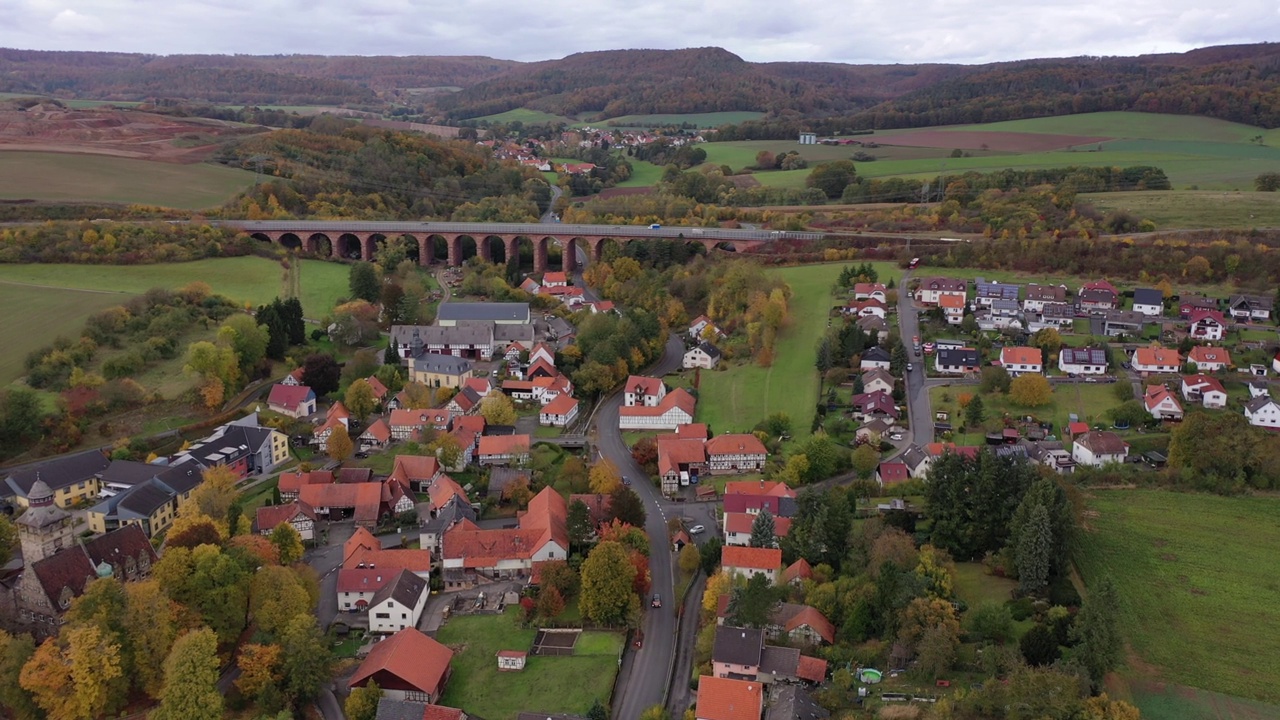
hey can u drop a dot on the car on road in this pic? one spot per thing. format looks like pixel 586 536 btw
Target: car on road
pixel 697 530
pixel 626 480
pixel 657 600
pixel 910 367
pixel 915 263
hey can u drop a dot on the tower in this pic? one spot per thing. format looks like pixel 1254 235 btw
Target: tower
pixel 44 528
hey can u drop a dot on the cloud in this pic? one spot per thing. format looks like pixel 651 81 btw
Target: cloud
pixel 864 31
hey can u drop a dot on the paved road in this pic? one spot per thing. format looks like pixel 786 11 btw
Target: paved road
pixel 918 410
pixel 550 216
pixel 646 671
pixel 617 231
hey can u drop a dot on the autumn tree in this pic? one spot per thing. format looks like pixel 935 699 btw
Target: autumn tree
pixel 550 603
pixel 936 651
pixel 47 677
pixel 276 597
pixel 15 651
pixel 215 494
pixel 95 670
pixel 925 613
pixel 417 396
pixel 689 560
pixel 446 448
pixel 191 679
pixel 607 577
pixel 994 379
pixel 259 667
pixel 200 530
pixel 307 663
pixel 8 537
pixel 1030 390
pixel 288 542
pixel 720 583
pixel 497 409
pixel 604 477
pixel 893 546
pixel 360 399
pixel 865 460
pixel 338 445
pixel 362 703
pixel 560 575
pixel 1049 340
pixel 150 623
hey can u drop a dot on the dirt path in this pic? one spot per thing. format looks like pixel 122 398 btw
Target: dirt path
pixel 61 287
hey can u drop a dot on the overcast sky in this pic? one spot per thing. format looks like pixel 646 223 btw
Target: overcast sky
pixel 866 31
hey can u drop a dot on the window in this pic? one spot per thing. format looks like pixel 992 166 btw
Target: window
pixel 404 616
pixel 382 616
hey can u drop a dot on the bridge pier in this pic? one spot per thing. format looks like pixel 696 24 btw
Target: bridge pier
pixel 484 248
pixel 569 256
pixel 424 249
pixel 540 255
pixel 510 247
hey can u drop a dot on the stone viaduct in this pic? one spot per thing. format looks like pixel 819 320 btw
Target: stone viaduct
pixel 437 242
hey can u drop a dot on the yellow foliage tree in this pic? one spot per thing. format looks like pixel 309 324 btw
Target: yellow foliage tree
pixel 1030 390
pixel 924 614
pixel 95 663
pixel 717 585
pixel 417 396
pixel 215 494
pixel 604 477
pixel 259 667
pixel 339 446
pixel 47 677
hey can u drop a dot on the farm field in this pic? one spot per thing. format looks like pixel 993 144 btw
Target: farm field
pixel 1194 209
pixel 735 399
pixel 1152 126
pixel 38 315
pixel 1196 594
pixel 549 685
pixel 66 177
pixel 702 120
pixel 740 154
pixel 643 174
pixel 524 115
pixel 252 280
pixel 75 104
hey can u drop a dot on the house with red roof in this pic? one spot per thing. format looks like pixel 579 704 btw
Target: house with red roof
pixel 892 473
pixel 291 482
pixel 358 585
pixel 729 699
pixel 1206 325
pixel 377 435
pixel 326 430
pixel 409 424
pixel 748 561
pixel 1205 390
pixel 297 513
pixel 1021 360
pixel 932 290
pixel 758 487
pixel 358 501
pixel 1156 361
pixel 699 325
pixel 560 412
pixel 681 460
pixel 503 449
pixel 797 572
pixel 295 401
pixel 530 286
pixel 469 552
pixel 1209 359
pixel 379 390
pixel 737 528
pixel 406 666
pixel 415 471
pixel 735 454
pixel 294 377
pixel 1161 403
pixel 800 624
pixel 640 390
pixel 674 409
pixel 953 307
pixel 870 291
pixel 544 352
pixel 540 367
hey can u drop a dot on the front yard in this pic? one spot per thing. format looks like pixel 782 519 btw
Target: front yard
pixel 548 685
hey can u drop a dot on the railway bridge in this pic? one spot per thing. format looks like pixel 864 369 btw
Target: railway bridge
pixel 436 242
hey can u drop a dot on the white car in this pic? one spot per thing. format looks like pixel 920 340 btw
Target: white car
pixel 697 530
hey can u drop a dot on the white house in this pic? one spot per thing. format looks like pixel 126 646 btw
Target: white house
pixel 874 358
pixel 1250 308
pixel 877 380
pixel 357 586
pixel 1148 301
pixel 296 401
pixel 703 355
pixel 957 361
pixel 1209 359
pixel 1162 404
pixel 1021 360
pixel 1204 389
pixel 1059 316
pixel 398 605
pixel 1155 361
pixel 1206 325
pixel 748 561
pixel 1038 295
pixel 1082 361
pixel 559 412
pixel 297 513
pixel 1264 412
pixel 931 290
pixel 953 307
pixel 735 453
pixel 643 391
pixel 870 291
pixel 1099 448
pixel 699 325
pixel 675 409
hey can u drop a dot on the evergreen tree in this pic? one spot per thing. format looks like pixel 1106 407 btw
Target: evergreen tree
pixel 1048 494
pixel 974 413
pixel 362 281
pixel 578 523
pixel 763 532
pixel 291 311
pixel 1033 552
pixel 1097 631
pixel 752 604
pixel 625 505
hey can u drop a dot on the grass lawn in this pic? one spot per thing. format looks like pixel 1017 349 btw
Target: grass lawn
pixel 975 586
pixel 547 684
pixel 702 120
pixel 739 154
pixel 254 280
pixel 526 116
pixel 38 315
pixel 1127 125
pixel 1194 208
pixel 595 642
pixel 643 174
pixel 1197 586
pixel 65 177
pixel 258 496
pixel 735 399
pixel 1089 401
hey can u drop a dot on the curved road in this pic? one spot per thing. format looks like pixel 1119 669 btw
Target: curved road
pixel 646 672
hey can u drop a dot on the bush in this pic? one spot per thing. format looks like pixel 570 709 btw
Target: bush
pixel 121 366
pixel 1021 609
pixel 1063 592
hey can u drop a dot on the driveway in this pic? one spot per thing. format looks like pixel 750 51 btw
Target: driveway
pixel 646 672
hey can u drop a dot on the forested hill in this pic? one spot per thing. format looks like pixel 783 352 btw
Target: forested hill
pixel 1239 83
pixel 236 79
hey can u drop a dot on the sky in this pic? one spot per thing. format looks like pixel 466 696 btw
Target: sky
pixel 861 31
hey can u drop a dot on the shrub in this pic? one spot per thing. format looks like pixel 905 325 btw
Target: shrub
pixel 121 366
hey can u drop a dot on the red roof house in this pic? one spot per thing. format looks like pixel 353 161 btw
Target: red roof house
pixel 407 666
pixel 728 699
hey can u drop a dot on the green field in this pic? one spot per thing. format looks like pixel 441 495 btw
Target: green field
pixel 1089 401
pixel 1194 209
pixel 740 154
pixel 38 315
pixel 643 174
pixel 252 280
pixel 64 177
pixel 547 684
pixel 702 120
pixel 1198 582
pixel 735 399
pixel 524 115
pixel 1120 125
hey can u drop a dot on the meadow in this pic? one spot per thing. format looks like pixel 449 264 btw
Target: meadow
pixel 1194 208
pixel 37 315
pixel 66 177
pixel 524 115
pixel 251 280
pixel 701 120
pixel 1088 401
pixel 1197 585
pixel 735 399
pixel 550 685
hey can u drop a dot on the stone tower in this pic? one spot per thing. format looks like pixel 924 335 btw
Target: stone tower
pixel 44 528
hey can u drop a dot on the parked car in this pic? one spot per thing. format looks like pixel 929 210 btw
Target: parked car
pixel 910 367
pixel 697 530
